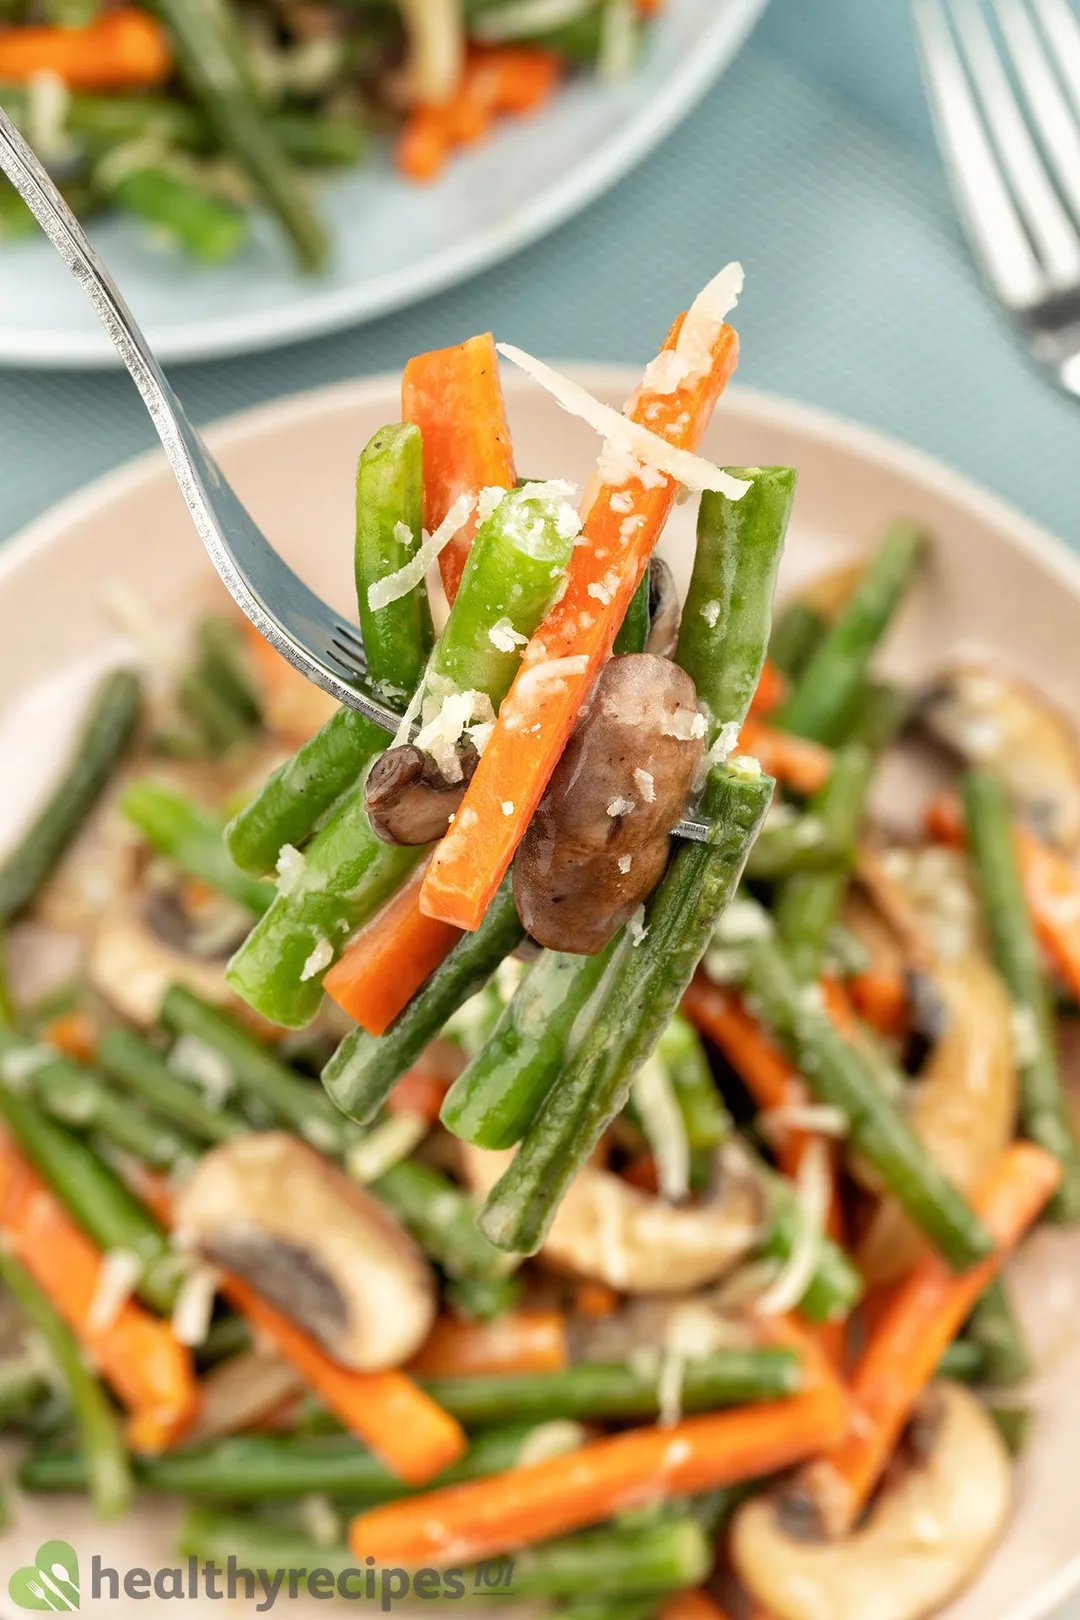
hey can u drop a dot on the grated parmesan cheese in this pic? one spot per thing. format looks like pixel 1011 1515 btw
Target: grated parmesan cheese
pixel 549 672
pixel 508 807
pixel 710 612
pixel 195 1305
pixel 664 1127
pixel 622 501
pixel 117 1278
pixel 620 806
pixel 691 357
pixel 406 578
pixel 503 636
pixel 488 501
pixel 630 526
pixel 440 735
pixel 685 725
pixel 320 958
pixel 209 1068
pixel 813 1189
pixel 640 452
pixel 321 1519
pixel 549 1440
pixel 290 869
pixel 636 928
pixel 646 785
pixel 625 862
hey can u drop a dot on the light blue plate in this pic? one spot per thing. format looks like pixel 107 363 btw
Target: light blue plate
pixel 393 243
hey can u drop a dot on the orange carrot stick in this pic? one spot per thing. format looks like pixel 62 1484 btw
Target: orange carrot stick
pixel 136 1353
pixel 74 1034
pixel 1051 887
pixel 694 1604
pixel 462 1523
pixel 880 996
pixel 595 1299
pixel 511 78
pixel 770 692
pixel 455 399
pixel 387 1410
pixel 424 144
pixel 389 960
pixel 796 762
pixel 574 639
pixel 923 1315
pixel 518 1341
pixel 120 50
pixel 419 1091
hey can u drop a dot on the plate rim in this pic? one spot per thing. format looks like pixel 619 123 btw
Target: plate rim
pixel 331 311
pixel 763 408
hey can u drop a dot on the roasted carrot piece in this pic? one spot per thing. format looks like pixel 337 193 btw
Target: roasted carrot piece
pixel 512 78
pixel 880 996
pixel 573 641
pixel 462 1523
pixel 392 1414
pixel 120 50
pixel 923 1315
pixel 595 1299
pixel 518 1341
pixel 419 1091
pixel 389 960
pixel 796 762
pixel 694 1604
pixel 137 1354
pixel 1051 887
pixel 424 144
pixel 455 399
pixel 771 691
pixel 74 1034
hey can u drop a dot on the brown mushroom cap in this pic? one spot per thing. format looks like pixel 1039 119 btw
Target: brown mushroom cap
pixel 273 1211
pixel 600 838
pixel 407 798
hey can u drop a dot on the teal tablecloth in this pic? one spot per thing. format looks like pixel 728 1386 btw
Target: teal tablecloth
pixel 813 162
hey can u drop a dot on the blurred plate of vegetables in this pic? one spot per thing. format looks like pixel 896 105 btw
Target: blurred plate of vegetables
pixel 260 171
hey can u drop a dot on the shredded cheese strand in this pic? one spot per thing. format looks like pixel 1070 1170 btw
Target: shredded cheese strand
pixel 411 574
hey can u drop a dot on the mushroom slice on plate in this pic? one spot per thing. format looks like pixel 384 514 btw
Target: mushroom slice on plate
pixel 933 1524
pixel 963 1108
pixel 141 947
pixel 330 1256
pixel 992 719
pixel 610 1232
pixel 601 835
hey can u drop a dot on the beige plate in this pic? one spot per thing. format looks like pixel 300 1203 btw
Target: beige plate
pixel 996 585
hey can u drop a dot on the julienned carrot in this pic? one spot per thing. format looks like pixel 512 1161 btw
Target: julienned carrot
pixel 404 1427
pixel 424 144
pixel 797 763
pixel 137 1354
pixel 74 1034
pixel 419 1091
pixel 880 996
pixel 517 1341
pixel 595 1299
pixel 510 78
pixel 923 1316
pixel 565 655
pixel 462 1523
pixel 120 50
pixel 455 399
pixel 1051 887
pixel 770 692
pixel 694 1604
pixel 389 960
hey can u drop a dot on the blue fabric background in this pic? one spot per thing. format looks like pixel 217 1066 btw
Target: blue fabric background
pixel 814 163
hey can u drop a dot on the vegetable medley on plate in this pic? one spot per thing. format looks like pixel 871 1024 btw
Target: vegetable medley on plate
pixel 678 1117
pixel 182 113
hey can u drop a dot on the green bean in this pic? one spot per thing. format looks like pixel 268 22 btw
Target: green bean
pixel 823 701
pixel 23 1386
pixel 634 630
pixel 128 1059
pixel 593 1389
pixel 389 520
pixel 797 631
pixel 82 1100
pixel 320 139
pixel 363 1070
pixel 211 723
pixel 512 573
pixel 993 1327
pixel 839 1075
pixel 223 656
pixel 836 1287
pixel 483 1299
pixel 442 1218
pixel 1013 1423
pixel 92 1192
pixel 881 712
pixel 107 1475
pixel 185 212
pixel 682 1053
pixel 268 1467
pixel 211 59
pixel 647 983
pixel 191 836
pixel 608 1608
pixel 303 789
pixel 964 1361
pixel 16 220
pixel 495 1099
pixel 106 732
pixel 792 843
pixel 726 618
pixel 809 902
pixel 8 1016
pixel 1044 1110
pixel 260 1077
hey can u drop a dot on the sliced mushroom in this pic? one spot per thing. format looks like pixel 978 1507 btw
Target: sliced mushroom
pixel 926 896
pixel 139 950
pixel 436 48
pixel 933 1525
pixel 611 1232
pixel 600 838
pixel 273 1211
pixel 962 1109
pixel 829 592
pixel 992 719
pixel 665 611
pixel 242 1392
pixel 407 797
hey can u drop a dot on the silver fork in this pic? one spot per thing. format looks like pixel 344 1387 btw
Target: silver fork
pixel 1013 159
pixel 303 628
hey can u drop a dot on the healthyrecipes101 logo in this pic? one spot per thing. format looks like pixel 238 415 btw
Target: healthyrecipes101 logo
pixel 51 1582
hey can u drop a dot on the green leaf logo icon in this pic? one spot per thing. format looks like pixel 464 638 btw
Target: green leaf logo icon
pixel 51 1582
